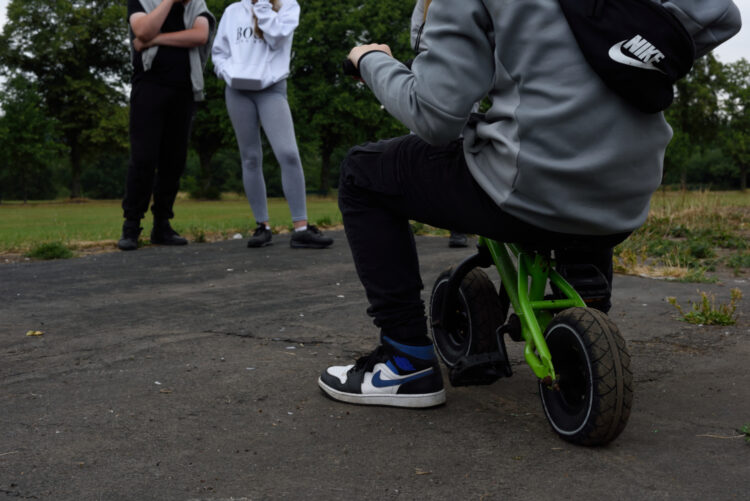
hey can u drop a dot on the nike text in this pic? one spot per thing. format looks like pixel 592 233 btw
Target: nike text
pixel 643 50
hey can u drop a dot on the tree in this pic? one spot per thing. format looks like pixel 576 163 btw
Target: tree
pixel 694 114
pixel 212 129
pixel 75 54
pixel 735 106
pixel 30 144
pixel 331 110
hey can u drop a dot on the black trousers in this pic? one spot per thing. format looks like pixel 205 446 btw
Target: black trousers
pixel 160 121
pixel 386 184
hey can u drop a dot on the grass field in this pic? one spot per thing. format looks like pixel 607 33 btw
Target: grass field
pixel 687 236
pixel 88 223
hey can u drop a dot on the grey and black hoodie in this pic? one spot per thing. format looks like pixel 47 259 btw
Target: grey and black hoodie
pixel 556 148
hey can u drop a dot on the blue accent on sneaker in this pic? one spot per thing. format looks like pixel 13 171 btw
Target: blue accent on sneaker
pixel 380 383
pixel 426 352
pixel 403 364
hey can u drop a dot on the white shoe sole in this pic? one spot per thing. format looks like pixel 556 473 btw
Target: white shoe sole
pixel 414 401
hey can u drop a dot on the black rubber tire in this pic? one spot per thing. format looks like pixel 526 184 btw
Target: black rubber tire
pixel 592 404
pixel 480 312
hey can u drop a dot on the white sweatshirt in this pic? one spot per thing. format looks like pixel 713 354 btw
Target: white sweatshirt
pixel 243 59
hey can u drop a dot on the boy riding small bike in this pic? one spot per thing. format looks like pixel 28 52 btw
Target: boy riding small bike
pixel 557 160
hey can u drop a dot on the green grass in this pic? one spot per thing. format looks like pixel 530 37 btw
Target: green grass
pixel 52 250
pixel 745 430
pixel 707 312
pixel 82 224
pixel 688 234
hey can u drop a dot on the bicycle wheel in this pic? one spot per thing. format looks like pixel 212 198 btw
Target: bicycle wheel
pixel 476 315
pixel 591 404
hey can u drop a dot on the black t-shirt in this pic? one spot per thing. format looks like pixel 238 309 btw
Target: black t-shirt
pixel 172 64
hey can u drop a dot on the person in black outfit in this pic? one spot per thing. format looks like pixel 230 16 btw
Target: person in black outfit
pixel 168 61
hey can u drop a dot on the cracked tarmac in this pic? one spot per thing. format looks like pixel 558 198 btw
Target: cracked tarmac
pixel 190 373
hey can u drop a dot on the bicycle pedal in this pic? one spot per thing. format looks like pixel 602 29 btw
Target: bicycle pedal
pixel 512 328
pixel 479 369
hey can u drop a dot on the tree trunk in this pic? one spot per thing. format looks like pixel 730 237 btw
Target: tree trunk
pixel 25 185
pixel 743 178
pixel 205 173
pixel 325 169
pixel 76 167
pixel 205 177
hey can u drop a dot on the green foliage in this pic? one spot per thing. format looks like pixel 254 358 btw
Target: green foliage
pixel 711 146
pixel 224 175
pixel 686 235
pixel 333 111
pixel 211 130
pixel 736 140
pixel 323 221
pixel 738 261
pixel 697 276
pixel 52 250
pixel 707 312
pixel 74 54
pixel 30 144
pixel 199 234
pixel 105 177
pixel 745 430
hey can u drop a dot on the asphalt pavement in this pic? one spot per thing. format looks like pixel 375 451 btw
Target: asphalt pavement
pixel 190 373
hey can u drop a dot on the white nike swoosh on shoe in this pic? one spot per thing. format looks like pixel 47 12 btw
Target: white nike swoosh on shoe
pixel 616 54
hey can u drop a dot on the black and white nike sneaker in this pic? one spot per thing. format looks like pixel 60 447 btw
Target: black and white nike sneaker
pixel 395 375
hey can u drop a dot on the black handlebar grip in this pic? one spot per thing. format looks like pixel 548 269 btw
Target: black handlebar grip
pixel 350 69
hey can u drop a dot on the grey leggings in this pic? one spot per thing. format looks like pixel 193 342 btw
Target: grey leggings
pixel 248 110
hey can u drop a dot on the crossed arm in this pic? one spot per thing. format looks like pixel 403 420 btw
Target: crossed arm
pixel 147 29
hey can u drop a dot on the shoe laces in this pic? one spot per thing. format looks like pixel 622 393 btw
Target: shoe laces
pixel 259 230
pixel 367 362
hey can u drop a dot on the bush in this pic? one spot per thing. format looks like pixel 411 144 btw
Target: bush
pixel 51 250
pixel 105 179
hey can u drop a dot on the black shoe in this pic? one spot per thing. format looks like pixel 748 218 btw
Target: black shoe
pixel 131 230
pixel 261 237
pixel 163 234
pixel 458 240
pixel 311 238
pixel 394 374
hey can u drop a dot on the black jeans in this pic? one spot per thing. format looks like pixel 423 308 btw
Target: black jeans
pixel 386 184
pixel 160 121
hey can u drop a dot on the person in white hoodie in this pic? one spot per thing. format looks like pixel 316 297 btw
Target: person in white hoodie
pixel 251 53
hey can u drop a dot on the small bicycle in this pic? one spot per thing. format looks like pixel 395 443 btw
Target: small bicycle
pixel 577 352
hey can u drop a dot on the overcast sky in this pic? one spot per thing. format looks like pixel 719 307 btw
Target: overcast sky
pixel 736 48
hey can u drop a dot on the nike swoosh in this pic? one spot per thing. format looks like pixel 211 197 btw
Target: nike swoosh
pixel 615 53
pixel 377 382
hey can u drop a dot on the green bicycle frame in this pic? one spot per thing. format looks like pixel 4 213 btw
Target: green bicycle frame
pixel 525 286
